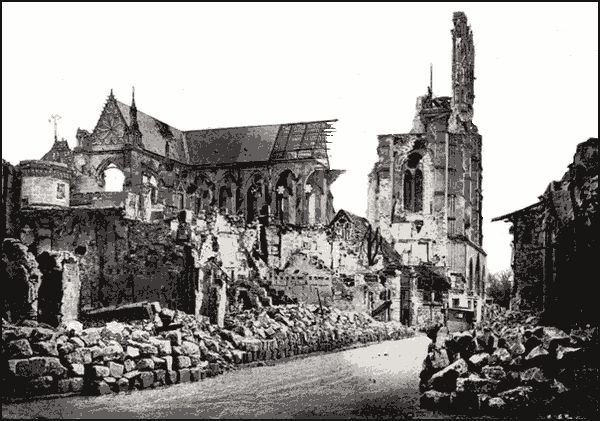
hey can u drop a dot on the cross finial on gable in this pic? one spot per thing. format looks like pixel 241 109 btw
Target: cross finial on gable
pixel 54 118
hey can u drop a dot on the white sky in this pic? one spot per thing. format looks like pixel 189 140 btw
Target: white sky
pixel 196 66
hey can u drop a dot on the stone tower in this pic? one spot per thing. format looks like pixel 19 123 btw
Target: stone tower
pixel 425 189
pixel 463 74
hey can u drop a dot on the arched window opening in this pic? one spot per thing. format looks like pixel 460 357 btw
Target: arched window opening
pixel 228 194
pixel 477 276
pixel 284 198
pixel 413 184
pixel 113 178
pixel 255 198
pixel 482 291
pixel 408 183
pixel 314 192
pixel 418 191
pixel 152 184
pixel 470 285
pixel 225 199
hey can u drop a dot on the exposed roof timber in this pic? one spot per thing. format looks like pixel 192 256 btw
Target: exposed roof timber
pixel 509 216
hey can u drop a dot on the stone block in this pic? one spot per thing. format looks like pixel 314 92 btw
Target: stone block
pixel 445 380
pixel 77 384
pixel 175 337
pixel 534 376
pixel 79 356
pixel 518 397
pixel 147 350
pixel 160 376
pixel 116 369
pixel 479 360
pixel 129 365
pixel 113 331
pixel 99 371
pixel 25 368
pixel 145 364
pixel 53 367
pixel 77 370
pixel 494 372
pixel 131 374
pixel 496 404
pixel 114 351
pixel 476 385
pixel 19 348
pixel 45 348
pixel 42 385
pixel 122 384
pixel 144 380
pixel 182 362
pixel 184 375
pixel 190 348
pixel 41 334
pixel 91 336
pixel 172 377
pixel 501 356
pixel 164 347
pixel 195 359
pixel 132 351
pixel 159 363
pixel 195 374
pixel 100 387
pixel 538 356
pixel 97 352
pixel 433 399
pixel 64 386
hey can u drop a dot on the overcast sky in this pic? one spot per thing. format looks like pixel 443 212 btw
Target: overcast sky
pixel 198 66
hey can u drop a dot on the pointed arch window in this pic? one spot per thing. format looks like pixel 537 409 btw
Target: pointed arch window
pixel 413 184
pixel 113 178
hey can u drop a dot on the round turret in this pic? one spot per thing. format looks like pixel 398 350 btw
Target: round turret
pixel 45 183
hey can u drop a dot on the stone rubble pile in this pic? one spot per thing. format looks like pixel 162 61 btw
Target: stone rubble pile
pixel 172 347
pixel 510 364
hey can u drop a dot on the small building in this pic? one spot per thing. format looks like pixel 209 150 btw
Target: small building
pixel 556 245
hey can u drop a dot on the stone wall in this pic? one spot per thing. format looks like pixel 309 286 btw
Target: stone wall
pixel 555 244
pixel 120 260
pixel 172 348
pixel 11 198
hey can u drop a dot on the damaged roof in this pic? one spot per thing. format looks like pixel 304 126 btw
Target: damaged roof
pixel 156 134
pixel 233 145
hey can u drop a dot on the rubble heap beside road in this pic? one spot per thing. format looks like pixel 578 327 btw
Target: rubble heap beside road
pixel 172 347
pixel 511 363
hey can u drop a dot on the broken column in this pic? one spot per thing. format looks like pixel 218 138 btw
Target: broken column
pixel 60 287
pixel 22 277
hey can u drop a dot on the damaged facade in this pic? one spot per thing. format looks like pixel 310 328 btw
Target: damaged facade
pixel 202 221
pixel 555 244
pixel 217 219
pixel 150 212
pixel 425 192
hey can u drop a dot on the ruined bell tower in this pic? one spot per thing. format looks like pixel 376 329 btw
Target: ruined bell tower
pixel 463 75
pixel 425 190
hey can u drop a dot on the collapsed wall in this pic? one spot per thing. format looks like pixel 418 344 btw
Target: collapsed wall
pixel 172 347
pixel 511 364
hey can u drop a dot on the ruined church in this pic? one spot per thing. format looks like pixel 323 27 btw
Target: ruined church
pixel 425 190
pixel 214 220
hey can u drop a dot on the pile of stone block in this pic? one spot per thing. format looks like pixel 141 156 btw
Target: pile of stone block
pixel 510 367
pixel 171 347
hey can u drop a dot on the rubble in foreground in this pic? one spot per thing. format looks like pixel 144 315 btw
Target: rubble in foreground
pixel 172 347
